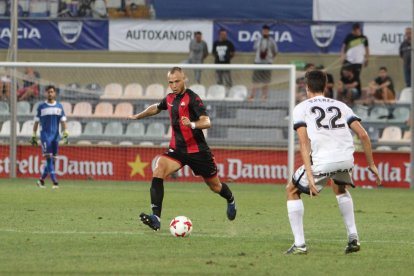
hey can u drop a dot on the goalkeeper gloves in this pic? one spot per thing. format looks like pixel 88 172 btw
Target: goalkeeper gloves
pixel 65 137
pixel 33 140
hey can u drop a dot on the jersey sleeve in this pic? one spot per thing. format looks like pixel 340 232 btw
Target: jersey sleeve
pixel 298 117
pixel 350 115
pixel 63 116
pixel 163 104
pixel 198 106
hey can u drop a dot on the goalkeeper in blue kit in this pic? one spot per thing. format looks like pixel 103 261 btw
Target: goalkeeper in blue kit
pixel 49 114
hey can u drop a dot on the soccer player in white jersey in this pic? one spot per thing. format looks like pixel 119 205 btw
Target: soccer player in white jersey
pixel 326 146
pixel 49 114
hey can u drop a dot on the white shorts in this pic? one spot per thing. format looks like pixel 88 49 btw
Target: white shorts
pixel 339 172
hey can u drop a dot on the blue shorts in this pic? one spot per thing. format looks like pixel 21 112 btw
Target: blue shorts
pixel 49 147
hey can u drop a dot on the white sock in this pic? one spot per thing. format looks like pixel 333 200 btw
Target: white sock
pixel 346 206
pixel 295 212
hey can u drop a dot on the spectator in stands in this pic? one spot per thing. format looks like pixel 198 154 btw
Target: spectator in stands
pixel 188 117
pixel 381 89
pixel 329 90
pixel 405 54
pixel 30 89
pixel 198 52
pixel 223 51
pixel 301 84
pixel 349 87
pixel 266 51
pixel 4 85
pixel 355 51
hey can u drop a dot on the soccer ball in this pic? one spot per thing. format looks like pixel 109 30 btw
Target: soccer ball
pixel 181 226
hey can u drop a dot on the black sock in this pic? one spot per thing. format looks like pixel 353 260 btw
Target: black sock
pixel 226 193
pixel 157 195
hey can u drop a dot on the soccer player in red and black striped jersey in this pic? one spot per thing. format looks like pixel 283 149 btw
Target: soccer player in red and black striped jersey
pixel 188 117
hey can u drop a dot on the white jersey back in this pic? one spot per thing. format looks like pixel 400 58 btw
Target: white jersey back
pixel 327 123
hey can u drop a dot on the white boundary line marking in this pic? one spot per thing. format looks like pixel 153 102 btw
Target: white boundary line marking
pixel 147 231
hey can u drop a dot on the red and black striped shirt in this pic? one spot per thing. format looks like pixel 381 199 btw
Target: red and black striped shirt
pixel 188 104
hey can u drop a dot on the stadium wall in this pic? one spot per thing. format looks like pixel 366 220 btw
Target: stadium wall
pixel 240 166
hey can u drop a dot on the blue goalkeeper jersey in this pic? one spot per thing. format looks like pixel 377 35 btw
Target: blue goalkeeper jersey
pixel 50 115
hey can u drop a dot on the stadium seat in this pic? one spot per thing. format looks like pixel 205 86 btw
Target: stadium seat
pixel 84 142
pixel 103 109
pixel 71 92
pixel 379 113
pixel 126 143
pixel 199 89
pixel 146 144
pixel 104 143
pixel 67 107
pixel 216 92
pixel 113 129
pixel 405 95
pixel 361 111
pixel 4 108
pixel 23 108
pixel 5 128
pixel 38 8
pixel 82 109
pixel 94 87
pixel 407 135
pixel 154 91
pixel 133 91
pixel 255 135
pixel 74 128
pixel 384 148
pixel 93 129
pixel 155 130
pixel 34 108
pixel 373 133
pixel 135 129
pixel 123 110
pixel 400 114
pixel 237 93
pixel 112 91
pixel 391 134
pixel 260 114
pixel 27 129
pixel 404 148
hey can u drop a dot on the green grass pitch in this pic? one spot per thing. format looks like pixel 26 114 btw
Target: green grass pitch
pixel 92 228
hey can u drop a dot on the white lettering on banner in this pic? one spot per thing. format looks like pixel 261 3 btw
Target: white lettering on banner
pixel 386 172
pixel 392 38
pixel 35 165
pixel 90 168
pixel 22 33
pixel 407 172
pixel 247 36
pixel 159 35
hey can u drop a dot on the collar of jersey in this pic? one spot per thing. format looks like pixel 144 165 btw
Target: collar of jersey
pixel 51 104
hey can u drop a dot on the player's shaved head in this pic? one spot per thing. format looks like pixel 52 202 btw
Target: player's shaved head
pixel 176 79
pixel 315 81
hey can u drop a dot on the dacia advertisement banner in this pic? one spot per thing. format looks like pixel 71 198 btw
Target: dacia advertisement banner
pixel 57 34
pixel 239 166
pixel 298 37
pixel 157 36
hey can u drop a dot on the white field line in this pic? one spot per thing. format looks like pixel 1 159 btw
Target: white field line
pixel 74 232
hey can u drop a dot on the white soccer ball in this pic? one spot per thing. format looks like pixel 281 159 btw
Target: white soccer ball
pixel 181 226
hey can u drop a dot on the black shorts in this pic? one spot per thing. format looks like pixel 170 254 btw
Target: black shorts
pixel 202 163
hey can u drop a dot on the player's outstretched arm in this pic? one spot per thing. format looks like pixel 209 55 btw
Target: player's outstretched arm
pixel 149 111
pixel 366 145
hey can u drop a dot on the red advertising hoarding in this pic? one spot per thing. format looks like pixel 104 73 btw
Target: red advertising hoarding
pixel 240 166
